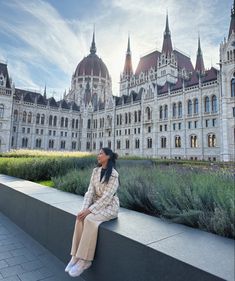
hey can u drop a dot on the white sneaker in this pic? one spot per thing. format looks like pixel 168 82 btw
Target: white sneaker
pixel 72 262
pixel 79 267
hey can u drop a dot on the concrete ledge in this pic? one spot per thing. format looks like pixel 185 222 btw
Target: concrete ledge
pixel 134 247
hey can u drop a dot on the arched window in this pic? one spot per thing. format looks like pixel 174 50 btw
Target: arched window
pixel 174 110
pixel 165 112
pixel 55 121
pixel 66 122
pixel 42 119
pixel 177 141
pixel 211 140
pixel 189 107
pixel 193 141
pixel 73 123
pixel 214 103
pixel 129 117
pixel 24 116
pixel 37 118
pixel 148 112
pixel 207 104
pixel 50 120
pixel 77 123
pixel 180 109
pixel 30 117
pixel 195 106
pixel 160 112
pixel 137 143
pixel 233 86
pixel 15 115
pixel 149 143
pixel 136 117
pixel 62 122
pixel 88 123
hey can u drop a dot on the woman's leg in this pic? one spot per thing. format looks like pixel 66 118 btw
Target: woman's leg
pixel 87 245
pixel 76 236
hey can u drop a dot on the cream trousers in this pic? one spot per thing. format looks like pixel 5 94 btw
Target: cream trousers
pixel 85 236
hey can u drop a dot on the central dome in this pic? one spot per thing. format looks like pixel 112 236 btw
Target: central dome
pixel 92 65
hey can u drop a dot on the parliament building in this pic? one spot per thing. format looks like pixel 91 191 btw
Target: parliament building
pixel 167 107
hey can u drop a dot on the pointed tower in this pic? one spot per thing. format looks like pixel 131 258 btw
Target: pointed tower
pixel 200 69
pixel 128 71
pixel 45 92
pixel 232 22
pixel 167 44
pixel 227 82
pixel 167 65
pixel 93 47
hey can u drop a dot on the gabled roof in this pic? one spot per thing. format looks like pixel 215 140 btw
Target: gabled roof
pixel 162 89
pixel 183 61
pixel 63 104
pixel 75 107
pixel 127 99
pixel 210 75
pixel 52 102
pixel 147 61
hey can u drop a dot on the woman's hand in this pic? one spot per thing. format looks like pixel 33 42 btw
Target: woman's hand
pixel 81 215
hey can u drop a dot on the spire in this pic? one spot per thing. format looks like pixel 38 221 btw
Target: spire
pixel 199 63
pixel 167 45
pixel 93 47
pixel 232 23
pixel 45 92
pixel 128 62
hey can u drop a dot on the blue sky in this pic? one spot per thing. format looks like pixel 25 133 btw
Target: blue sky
pixel 43 41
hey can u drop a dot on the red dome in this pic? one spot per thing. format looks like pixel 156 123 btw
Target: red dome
pixel 89 63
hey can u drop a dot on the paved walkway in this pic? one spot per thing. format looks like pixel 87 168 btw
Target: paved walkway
pixel 24 259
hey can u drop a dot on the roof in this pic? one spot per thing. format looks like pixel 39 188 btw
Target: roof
pixel 210 75
pixel 4 71
pixel 147 61
pixel 92 64
pixel 29 96
pixel 183 61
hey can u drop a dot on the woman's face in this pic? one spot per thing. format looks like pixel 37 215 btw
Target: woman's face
pixel 102 158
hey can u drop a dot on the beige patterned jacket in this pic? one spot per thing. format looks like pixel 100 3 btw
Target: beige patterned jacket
pixel 101 197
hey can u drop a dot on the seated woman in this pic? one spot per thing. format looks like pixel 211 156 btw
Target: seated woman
pixel 100 204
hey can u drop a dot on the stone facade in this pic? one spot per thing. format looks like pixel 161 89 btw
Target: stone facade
pixel 167 108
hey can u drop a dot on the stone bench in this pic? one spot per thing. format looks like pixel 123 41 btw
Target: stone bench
pixel 134 247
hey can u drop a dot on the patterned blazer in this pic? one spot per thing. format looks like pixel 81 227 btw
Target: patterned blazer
pixel 101 197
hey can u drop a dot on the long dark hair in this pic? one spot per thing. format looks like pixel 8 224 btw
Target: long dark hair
pixel 111 162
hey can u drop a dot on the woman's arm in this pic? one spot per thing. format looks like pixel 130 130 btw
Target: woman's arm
pixel 107 196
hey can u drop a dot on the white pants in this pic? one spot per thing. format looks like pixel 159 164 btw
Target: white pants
pixel 85 236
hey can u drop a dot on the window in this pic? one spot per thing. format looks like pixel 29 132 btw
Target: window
pixel 109 144
pixel 163 142
pixel 88 123
pixel 74 144
pixel 189 124
pixel 138 130
pixel 165 127
pixel 101 144
pixel 25 142
pixel 15 114
pixel 118 144
pixel 177 141
pixel 137 143
pixel 148 112
pixel 174 110
pixel 1 110
pixel 55 121
pixel 193 141
pixel 160 112
pixel 233 86
pixel 30 117
pixel 211 140
pixel 207 122
pixel 160 128
pixel 180 109
pixel 174 126
pixel 62 122
pixel 37 118
pixel 67 121
pixel 73 123
pixel 127 144
pixel 233 111
pixel 195 124
pixel 149 129
pixel 24 117
pixel 214 103
pixel 207 104
pixel 51 143
pixel 149 143
pixel 189 107
pixel 42 119
pixel 214 122
pixel 195 106
pixel 28 130
pixel 126 118
pixel 23 130
pixel 139 115
pixel 38 143
pixel 62 144
pixel 179 126
pixel 165 112
pixel 135 116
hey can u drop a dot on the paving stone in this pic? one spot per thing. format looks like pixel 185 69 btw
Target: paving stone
pixel 11 270
pixel 17 260
pixel 12 278
pixel 5 255
pixel 32 265
pixel 3 264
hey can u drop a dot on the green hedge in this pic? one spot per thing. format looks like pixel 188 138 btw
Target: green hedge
pixel 42 168
pixel 196 198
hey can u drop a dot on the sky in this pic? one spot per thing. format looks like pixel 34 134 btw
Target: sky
pixel 42 41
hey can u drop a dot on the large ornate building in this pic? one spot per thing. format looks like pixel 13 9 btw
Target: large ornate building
pixel 167 108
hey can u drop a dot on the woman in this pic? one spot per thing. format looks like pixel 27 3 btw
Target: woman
pixel 100 204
